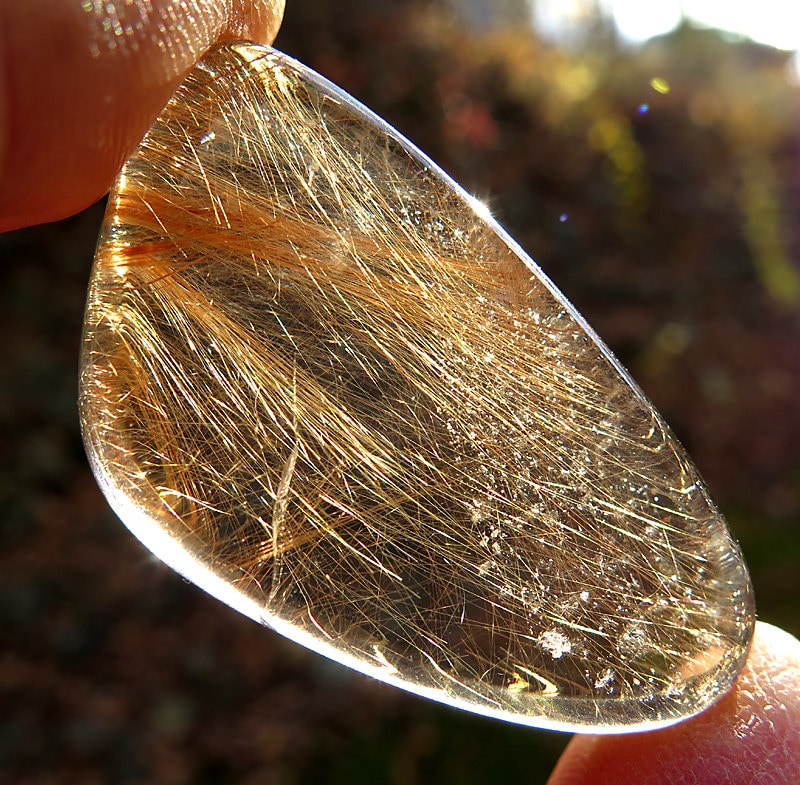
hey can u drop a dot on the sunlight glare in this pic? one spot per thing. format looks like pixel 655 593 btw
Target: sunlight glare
pixel 772 22
pixel 638 23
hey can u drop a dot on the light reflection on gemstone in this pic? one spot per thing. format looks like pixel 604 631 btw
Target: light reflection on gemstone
pixel 320 382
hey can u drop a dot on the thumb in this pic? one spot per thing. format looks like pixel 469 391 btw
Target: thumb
pixel 81 82
pixel 751 736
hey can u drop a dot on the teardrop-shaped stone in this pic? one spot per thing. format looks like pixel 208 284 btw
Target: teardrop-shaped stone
pixel 321 382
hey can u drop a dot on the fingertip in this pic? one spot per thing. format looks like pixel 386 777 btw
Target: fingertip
pixel 752 735
pixel 255 20
pixel 80 84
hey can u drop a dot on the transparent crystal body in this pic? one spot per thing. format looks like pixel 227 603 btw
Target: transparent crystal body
pixel 321 382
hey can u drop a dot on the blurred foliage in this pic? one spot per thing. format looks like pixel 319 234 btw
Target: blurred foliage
pixel 659 187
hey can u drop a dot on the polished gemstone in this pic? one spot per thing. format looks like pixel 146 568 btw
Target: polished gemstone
pixel 323 384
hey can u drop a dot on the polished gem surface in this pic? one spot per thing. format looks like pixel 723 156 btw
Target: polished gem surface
pixel 320 382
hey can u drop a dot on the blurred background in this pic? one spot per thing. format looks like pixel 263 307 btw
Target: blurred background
pixel 649 162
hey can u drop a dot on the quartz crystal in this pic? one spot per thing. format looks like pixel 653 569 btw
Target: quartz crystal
pixel 320 382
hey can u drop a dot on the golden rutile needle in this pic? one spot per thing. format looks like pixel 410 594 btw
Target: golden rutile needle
pixel 323 384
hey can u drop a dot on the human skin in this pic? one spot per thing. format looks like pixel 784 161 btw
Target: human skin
pixel 750 737
pixel 79 86
pixel 81 81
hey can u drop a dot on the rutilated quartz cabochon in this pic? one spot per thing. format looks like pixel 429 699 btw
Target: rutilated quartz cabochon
pixel 319 381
